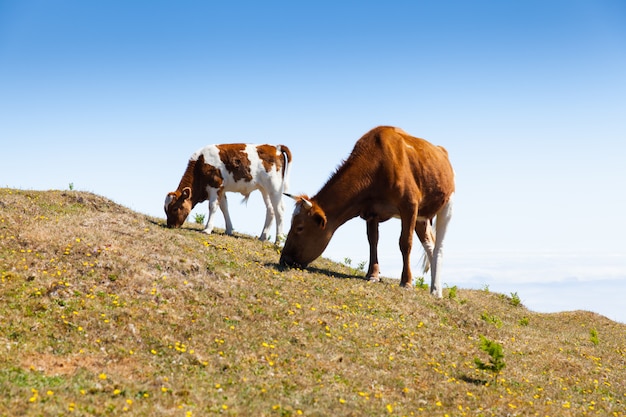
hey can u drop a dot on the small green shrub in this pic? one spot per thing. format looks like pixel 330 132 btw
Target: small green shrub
pixel 199 218
pixel 452 292
pixel 524 321
pixel 515 300
pixel 594 337
pixel 491 319
pixel 359 268
pixel 421 284
pixel 453 295
pixel 496 357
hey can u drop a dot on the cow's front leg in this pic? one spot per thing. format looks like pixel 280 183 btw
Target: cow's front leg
pixel 213 203
pixel 373 271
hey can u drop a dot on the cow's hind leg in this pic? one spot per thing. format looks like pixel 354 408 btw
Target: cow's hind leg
pixel 373 270
pixel 269 215
pixel 224 207
pixel 279 213
pixel 408 219
pixel 441 225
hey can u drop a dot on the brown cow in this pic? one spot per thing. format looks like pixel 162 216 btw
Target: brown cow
pixel 235 167
pixel 388 174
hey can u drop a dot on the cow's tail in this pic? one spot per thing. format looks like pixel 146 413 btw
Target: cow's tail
pixel 286 154
pixel 431 235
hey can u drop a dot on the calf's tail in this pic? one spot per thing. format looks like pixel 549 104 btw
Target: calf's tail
pixel 431 235
pixel 286 153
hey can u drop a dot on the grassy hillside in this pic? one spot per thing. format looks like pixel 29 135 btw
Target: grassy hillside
pixel 104 311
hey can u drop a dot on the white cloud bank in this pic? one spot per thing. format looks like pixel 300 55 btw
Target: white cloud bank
pixel 545 282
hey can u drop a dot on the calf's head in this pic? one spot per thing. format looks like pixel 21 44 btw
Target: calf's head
pixel 308 236
pixel 178 205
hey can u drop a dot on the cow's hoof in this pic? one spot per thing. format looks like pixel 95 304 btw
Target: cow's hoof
pixel 373 279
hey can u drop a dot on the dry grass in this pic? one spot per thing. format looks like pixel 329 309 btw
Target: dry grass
pixel 104 311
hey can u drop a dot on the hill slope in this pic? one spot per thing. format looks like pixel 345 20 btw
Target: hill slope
pixel 104 311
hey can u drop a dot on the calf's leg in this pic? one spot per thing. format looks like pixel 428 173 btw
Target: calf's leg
pixel 279 214
pixel 269 215
pixel 224 207
pixel 213 202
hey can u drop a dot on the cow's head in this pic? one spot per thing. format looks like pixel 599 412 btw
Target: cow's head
pixel 177 207
pixel 308 236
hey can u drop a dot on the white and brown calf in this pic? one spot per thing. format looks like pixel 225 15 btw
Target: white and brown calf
pixel 216 169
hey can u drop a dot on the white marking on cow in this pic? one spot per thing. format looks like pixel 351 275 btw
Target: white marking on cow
pixel 168 200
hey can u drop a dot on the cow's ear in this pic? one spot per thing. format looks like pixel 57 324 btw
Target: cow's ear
pixel 186 194
pixel 319 217
pixel 321 220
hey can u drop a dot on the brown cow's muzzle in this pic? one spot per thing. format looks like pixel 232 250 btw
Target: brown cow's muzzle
pixel 173 225
pixel 286 260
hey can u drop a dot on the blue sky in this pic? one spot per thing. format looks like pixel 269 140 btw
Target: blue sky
pixel 528 97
